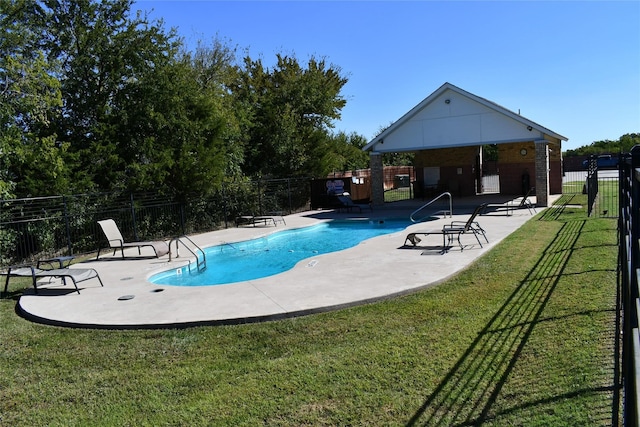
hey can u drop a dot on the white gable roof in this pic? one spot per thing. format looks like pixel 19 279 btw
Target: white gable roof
pixel 452 117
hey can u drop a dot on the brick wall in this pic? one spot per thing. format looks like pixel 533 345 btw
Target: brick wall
pixel 516 167
pixel 555 165
pixel 454 157
pixel 457 167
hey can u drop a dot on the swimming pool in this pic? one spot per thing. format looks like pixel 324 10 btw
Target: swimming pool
pixel 278 252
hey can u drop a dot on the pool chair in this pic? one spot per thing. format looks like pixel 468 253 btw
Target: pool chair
pixel 455 228
pixel 260 220
pixel 116 241
pixel 344 201
pixel 511 205
pixel 76 275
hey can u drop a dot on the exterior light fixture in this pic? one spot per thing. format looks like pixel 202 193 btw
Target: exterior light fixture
pixel 529 128
pixel 447 101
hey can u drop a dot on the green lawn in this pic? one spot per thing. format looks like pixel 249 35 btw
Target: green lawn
pixel 396 194
pixel 525 336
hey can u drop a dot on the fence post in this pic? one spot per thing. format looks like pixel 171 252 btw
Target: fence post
pixel 133 217
pixel 182 220
pixel 289 194
pixel 592 184
pixel 225 204
pixel 65 212
pixel 630 260
pixel 260 207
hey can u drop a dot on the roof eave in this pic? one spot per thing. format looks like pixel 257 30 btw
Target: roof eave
pixel 483 101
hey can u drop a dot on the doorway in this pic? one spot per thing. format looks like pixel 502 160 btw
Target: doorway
pixel 487 170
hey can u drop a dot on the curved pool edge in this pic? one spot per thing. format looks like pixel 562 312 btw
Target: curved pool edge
pixel 219 322
pixel 370 272
pixel 173 274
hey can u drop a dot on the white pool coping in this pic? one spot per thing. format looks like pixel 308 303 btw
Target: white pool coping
pixel 375 269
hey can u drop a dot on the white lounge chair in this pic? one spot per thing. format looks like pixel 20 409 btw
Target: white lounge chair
pixel 116 241
pixel 76 275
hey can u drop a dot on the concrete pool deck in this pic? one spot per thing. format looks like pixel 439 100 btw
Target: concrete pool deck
pixel 375 269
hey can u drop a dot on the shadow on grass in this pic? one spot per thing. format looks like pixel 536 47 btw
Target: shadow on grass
pixel 469 391
pixel 12 295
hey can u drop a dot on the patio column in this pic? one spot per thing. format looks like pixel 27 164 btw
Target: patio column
pixel 542 173
pixel 377 179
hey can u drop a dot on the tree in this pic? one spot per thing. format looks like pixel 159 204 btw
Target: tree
pixel 342 152
pixel 172 132
pixel 95 99
pixel 134 112
pixel 31 160
pixel 216 71
pixel 103 55
pixel 623 145
pixel 291 110
pixel 628 141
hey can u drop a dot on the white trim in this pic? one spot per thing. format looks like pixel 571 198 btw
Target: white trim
pixel 378 140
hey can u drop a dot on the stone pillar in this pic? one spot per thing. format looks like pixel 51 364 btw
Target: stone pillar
pixel 377 179
pixel 542 173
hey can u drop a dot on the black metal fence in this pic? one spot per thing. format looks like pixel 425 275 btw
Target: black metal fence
pixel 399 182
pixel 574 182
pixel 600 187
pixel 628 275
pixel 591 185
pixel 42 227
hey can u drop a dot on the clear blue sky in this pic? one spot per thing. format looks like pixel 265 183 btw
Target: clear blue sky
pixel 571 66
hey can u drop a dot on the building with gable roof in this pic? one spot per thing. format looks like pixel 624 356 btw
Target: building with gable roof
pixel 447 131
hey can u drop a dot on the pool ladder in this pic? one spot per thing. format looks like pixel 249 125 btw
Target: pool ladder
pixel 444 211
pixel 195 250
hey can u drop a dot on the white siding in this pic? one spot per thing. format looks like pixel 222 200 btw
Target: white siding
pixel 462 121
pixel 451 117
pixel 449 131
pixel 405 137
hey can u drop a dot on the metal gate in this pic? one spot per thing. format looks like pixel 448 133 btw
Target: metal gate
pixel 599 185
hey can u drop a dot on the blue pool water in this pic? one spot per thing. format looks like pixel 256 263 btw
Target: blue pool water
pixel 278 252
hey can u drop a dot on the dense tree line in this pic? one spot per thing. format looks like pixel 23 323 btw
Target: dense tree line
pixel 623 145
pixel 95 99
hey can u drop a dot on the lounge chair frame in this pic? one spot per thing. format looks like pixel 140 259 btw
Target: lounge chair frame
pixel 116 241
pixel 510 206
pixel 453 229
pixel 262 219
pixel 76 275
pixel 344 201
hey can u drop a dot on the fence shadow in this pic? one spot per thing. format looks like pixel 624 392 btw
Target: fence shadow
pixel 468 393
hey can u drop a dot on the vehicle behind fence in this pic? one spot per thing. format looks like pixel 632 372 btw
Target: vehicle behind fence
pixel 43 227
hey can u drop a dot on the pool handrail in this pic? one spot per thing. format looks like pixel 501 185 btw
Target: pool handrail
pixel 200 265
pixel 450 211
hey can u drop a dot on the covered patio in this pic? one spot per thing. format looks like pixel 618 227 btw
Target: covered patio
pixel 448 130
